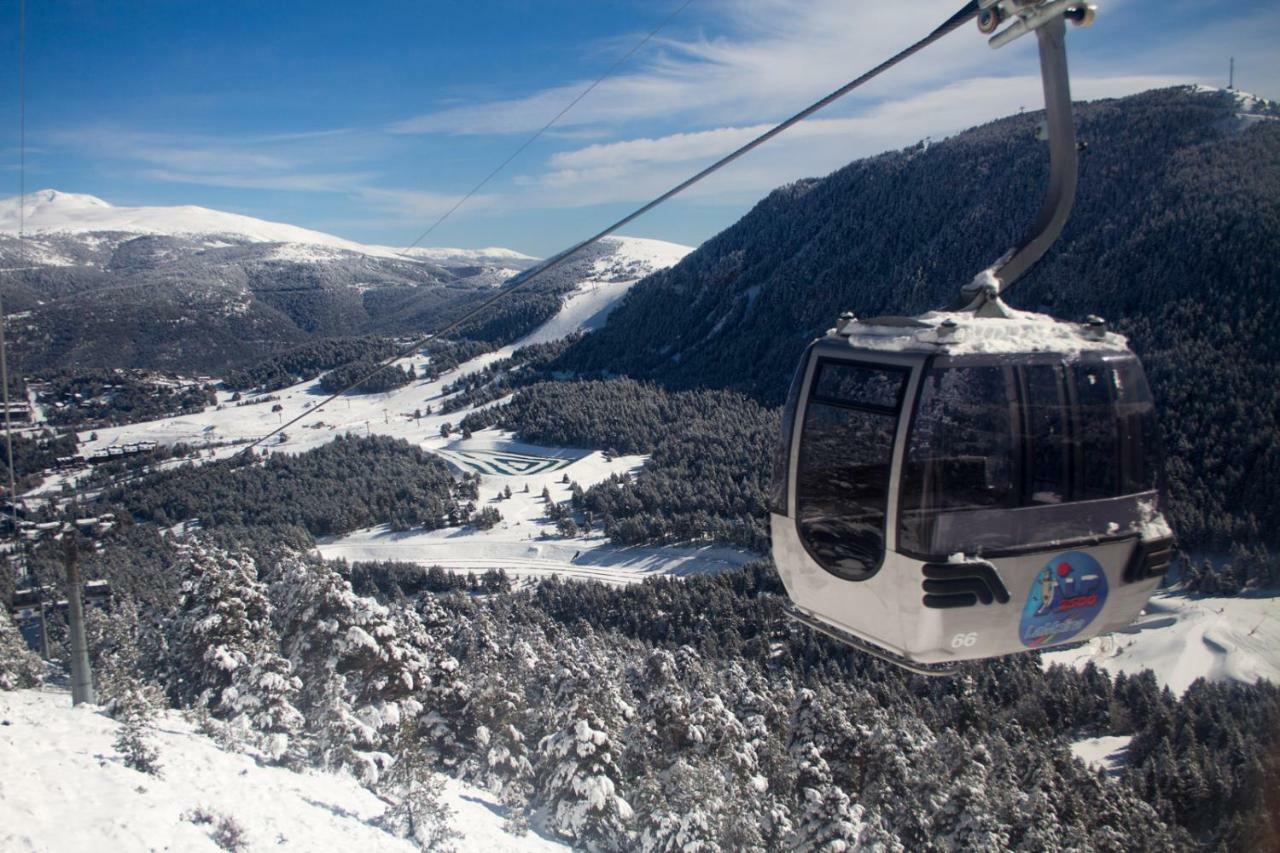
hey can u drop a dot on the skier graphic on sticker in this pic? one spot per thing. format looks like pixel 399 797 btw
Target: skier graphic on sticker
pixel 1066 596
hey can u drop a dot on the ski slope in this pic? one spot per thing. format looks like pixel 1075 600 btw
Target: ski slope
pixel 64 788
pixel 525 542
pixel 1184 637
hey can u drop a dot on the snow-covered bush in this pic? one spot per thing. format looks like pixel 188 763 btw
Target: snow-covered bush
pixel 19 666
pixel 135 712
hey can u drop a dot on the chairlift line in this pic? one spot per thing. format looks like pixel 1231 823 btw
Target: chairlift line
pixel 966 13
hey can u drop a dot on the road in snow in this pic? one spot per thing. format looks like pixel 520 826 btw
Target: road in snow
pixel 64 789
pixel 517 543
pixel 1185 637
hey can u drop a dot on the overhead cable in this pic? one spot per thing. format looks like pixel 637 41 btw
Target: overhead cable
pixel 965 14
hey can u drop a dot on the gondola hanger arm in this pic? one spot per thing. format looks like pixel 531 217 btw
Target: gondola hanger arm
pixel 1048 21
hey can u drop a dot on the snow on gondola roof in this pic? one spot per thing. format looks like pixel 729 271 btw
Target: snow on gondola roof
pixel 964 333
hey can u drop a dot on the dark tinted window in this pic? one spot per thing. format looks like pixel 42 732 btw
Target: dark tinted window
pixel 1097 437
pixel 846 453
pixel 960 455
pixel 988 438
pixel 859 385
pixel 1136 424
pixel 1046 439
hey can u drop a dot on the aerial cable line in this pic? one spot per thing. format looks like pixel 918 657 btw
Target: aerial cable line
pixel 514 154
pixel 22 258
pixel 965 14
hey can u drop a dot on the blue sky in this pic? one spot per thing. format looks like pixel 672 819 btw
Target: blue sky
pixel 367 120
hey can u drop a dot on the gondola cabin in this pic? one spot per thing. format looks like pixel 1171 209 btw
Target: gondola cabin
pixel 955 486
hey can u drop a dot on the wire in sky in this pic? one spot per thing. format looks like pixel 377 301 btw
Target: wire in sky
pixel 514 154
pixel 965 14
pixel 22 257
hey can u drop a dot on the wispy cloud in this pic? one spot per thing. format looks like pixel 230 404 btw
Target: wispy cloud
pixel 779 54
pixel 637 169
pixel 307 182
pixel 301 162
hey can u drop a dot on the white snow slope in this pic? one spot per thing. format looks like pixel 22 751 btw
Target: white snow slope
pixel 516 544
pixel 1184 637
pixel 64 788
pixel 51 211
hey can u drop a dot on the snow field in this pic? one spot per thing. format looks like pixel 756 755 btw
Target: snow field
pixel 1107 752
pixel 1185 637
pixel 65 789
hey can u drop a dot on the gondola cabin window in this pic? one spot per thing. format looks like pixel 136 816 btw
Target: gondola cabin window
pixel 845 460
pixel 991 443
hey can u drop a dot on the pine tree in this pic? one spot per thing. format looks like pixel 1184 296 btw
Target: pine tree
pixel 581 786
pixel 361 664
pixel 225 652
pixel 417 809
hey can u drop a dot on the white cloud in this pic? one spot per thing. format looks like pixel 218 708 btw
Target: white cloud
pixel 780 54
pixel 301 162
pixel 638 169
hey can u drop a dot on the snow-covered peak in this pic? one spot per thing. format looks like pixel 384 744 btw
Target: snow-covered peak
pixel 49 211
pixel 43 201
pixel 659 253
pixel 453 256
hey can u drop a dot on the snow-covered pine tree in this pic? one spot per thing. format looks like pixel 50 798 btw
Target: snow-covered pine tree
pixel 134 711
pixel 580 779
pixel 225 651
pixel 360 674
pixel 19 666
pixel 114 655
pixel 444 694
pixel 417 810
pixel 581 786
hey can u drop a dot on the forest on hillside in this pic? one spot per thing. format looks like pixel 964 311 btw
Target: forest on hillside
pixel 1175 239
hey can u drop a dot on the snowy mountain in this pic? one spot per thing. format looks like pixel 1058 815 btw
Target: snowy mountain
pixel 188 289
pixel 49 217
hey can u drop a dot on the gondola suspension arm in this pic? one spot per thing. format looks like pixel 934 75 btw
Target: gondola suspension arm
pixel 1048 21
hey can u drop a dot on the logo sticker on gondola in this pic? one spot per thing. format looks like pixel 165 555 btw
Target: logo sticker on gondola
pixel 1065 597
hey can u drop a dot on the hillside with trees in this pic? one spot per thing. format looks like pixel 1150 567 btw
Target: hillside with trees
pixel 1175 239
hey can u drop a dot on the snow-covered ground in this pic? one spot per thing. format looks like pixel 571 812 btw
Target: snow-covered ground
pixel 65 788
pixel 1107 752
pixel 517 543
pixel 1184 637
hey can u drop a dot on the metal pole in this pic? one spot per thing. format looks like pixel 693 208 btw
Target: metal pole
pixel 81 674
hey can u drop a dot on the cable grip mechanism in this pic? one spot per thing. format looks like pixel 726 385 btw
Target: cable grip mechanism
pixel 1028 15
